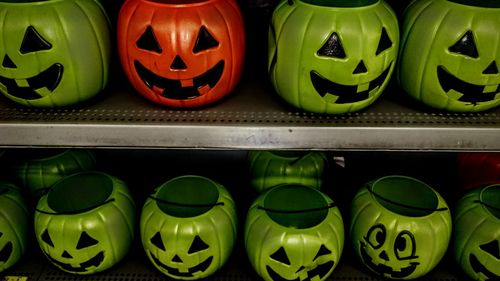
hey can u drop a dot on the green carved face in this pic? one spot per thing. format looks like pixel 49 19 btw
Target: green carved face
pixel 400 227
pixel 84 224
pixel 294 232
pixel 477 233
pixel 55 52
pixel 330 58
pixel 454 67
pixel 188 227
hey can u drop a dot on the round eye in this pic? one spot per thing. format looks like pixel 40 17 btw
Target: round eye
pixel 376 236
pixel 404 246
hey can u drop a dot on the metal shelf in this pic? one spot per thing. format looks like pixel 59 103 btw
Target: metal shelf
pixel 253 116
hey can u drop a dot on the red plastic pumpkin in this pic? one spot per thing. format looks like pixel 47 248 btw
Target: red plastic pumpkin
pixel 182 53
pixel 477 169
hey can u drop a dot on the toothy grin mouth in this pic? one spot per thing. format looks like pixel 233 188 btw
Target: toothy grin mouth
pixel 319 271
pixel 202 267
pixel 479 268
pixel 384 269
pixel 346 93
pixel 181 89
pixel 95 261
pixel 469 92
pixel 34 87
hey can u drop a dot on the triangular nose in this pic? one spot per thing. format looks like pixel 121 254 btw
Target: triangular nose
pixel 65 254
pixel 8 63
pixel 360 68
pixel 176 258
pixel 491 69
pixel 178 63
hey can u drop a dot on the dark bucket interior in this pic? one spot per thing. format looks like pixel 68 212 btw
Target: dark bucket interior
pixel 405 196
pixel 296 206
pixel 490 196
pixel 80 192
pixel 187 196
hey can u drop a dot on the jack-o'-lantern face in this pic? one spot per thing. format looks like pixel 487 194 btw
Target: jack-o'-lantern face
pixel 188 54
pixel 461 89
pixel 455 67
pixel 31 88
pixel 477 233
pixel 184 88
pixel 54 53
pixel 344 65
pixel 85 254
pixel 184 262
pixel 397 254
pixel 188 227
pixel 343 93
pixel 400 227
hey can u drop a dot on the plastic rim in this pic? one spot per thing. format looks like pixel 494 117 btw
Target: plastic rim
pixel 405 196
pixel 295 206
pixel 187 196
pixel 490 198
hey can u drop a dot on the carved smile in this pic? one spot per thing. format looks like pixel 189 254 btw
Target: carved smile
pixel 95 261
pixel 30 88
pixel 5 252
pixel 347 93
pixel 202 267
pixel 384 269
pixel 479 268
pixel 183 89
pixel 319 271
pixel 470 92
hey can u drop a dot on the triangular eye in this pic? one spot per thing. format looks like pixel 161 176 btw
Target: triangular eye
pixel 322 251
pixel 33 42
pixel 197 245
pixel 157 241
pixel 148 41
pixel 332 47
pixel 465 46
pixel 46 238
pixel 1 234
pixel 85 241
pixel 204 41
pixel 492 248
pixel 281 256
pixel 384 43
